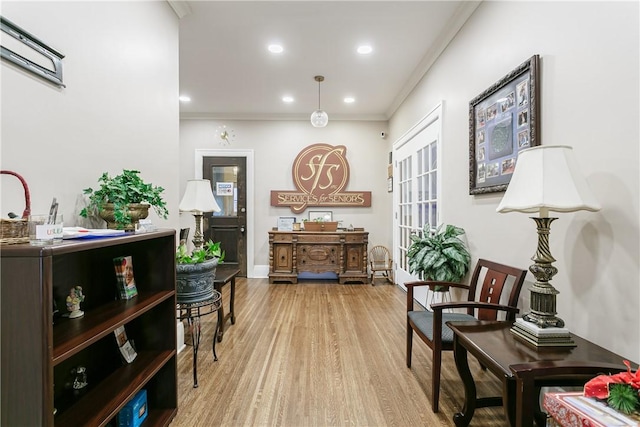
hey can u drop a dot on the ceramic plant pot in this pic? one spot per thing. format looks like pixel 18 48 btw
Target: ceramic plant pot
pixel 194 282
pixel 137 211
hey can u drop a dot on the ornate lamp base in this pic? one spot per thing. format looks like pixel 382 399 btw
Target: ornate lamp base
pixel 542 316
pixel 541 337
pixel 198 238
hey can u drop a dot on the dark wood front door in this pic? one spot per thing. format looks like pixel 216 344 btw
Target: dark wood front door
pixel 228 176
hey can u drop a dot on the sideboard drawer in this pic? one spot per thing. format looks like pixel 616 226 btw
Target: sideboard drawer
pixel 283 238
pixel 353 238
pixel 319 238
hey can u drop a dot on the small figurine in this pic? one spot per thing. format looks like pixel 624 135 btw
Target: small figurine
pixel 73 302
pixel 79 380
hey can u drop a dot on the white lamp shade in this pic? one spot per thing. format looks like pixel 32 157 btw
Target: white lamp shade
pixel 198 197
pixel 547 178
pixel 319 119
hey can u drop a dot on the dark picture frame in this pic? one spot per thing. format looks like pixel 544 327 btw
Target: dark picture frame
pixel 503 120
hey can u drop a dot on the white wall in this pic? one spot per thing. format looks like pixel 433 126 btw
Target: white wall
pixel 275 145
pixel 589 99
pixel 119 108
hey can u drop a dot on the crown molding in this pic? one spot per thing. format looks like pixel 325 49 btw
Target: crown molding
pixel 457 21
pixel 180 7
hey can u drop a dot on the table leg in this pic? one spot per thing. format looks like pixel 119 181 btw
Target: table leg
pixel 220 327
pixel 231 298
pixel 215 334
pixel 463 418
pixel 525 397
pixel 509 400
pixel 194 328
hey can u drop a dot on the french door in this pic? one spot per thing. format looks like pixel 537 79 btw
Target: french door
pixel 417 189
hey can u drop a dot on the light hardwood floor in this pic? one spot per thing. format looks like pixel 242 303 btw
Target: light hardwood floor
pixel 319 354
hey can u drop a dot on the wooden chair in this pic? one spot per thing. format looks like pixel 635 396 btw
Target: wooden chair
pixel 380 262
pixel 430 325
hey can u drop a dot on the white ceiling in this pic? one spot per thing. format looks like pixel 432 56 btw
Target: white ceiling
pixel 227 71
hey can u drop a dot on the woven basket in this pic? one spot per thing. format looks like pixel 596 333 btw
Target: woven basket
pixel 16 230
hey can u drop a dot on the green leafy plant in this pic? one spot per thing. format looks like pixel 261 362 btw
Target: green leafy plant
pixel 623 398
pixel 439 254
pixel 209 251
pixel 318 219
pixel 123 190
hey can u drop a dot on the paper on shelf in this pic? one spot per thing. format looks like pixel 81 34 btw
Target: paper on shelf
pixel 81 232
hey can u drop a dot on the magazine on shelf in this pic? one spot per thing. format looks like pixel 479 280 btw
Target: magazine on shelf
pixel 124 276
pixel 125 346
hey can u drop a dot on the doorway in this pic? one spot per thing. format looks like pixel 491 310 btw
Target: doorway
pixel 231 176
pixel 417 195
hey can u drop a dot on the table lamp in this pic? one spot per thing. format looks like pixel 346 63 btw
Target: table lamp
pixel 198 198
pixel 546 178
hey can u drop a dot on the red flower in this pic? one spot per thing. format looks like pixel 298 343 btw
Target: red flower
pixel 599 386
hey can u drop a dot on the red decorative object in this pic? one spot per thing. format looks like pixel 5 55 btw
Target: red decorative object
pixel 27 195
pixel 599 386
pixel 572 409
pixel 14 230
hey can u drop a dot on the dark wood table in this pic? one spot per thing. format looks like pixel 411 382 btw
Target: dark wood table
pixel 225 274
pixel 497 349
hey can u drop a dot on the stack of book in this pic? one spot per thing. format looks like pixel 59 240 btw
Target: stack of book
pixel 534 335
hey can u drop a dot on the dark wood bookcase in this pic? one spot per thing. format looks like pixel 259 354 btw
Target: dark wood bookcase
pixel 40 349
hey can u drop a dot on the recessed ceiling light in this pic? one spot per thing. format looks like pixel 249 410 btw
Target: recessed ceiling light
pixel 287 99
pixel 349 100
pixel 275 48
pixel 365 49
pixel 184 98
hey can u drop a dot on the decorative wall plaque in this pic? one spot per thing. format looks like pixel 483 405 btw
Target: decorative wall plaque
pixel 320 173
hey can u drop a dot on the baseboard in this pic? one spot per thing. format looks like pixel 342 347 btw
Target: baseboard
pixel 260 271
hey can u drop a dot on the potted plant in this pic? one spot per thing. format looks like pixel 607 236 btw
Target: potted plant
pixel 439 255
pixel 196 271
pixel 124 199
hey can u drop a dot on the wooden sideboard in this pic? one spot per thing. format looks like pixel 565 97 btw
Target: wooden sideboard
pixel 341 252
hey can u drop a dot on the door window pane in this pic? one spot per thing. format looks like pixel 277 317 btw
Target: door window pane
pixel 225 189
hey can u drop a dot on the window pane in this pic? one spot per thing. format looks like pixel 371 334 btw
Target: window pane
pixel 434 156
pixel 225 189
pixel 434 214
pixel 434 186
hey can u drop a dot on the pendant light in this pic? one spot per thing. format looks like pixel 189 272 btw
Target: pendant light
pixel 319 118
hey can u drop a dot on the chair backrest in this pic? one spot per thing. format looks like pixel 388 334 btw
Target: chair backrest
pixel 380 257
pixel 495 278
